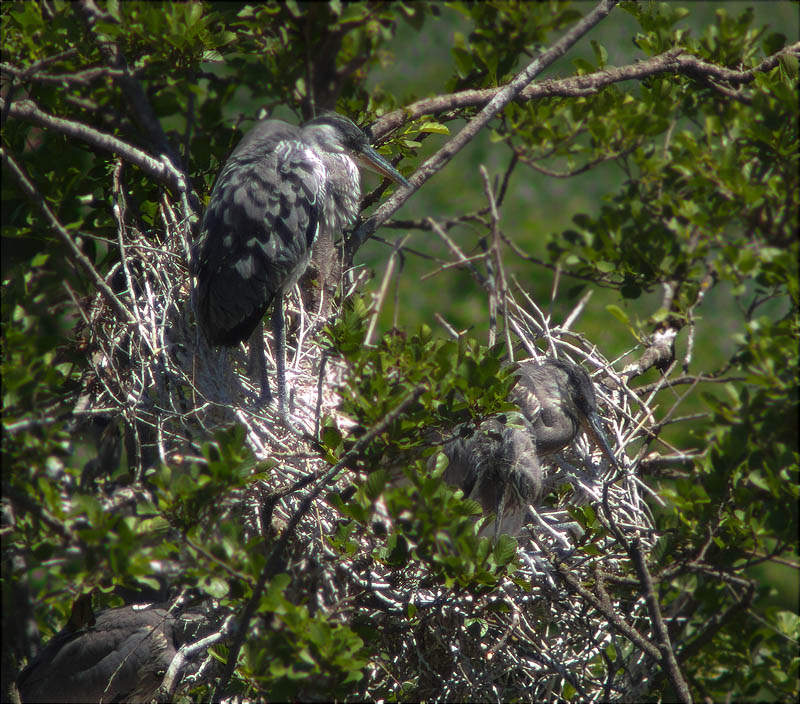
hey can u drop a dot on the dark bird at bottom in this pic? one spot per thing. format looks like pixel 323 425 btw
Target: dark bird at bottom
pixel 280 188
pixel 498 464
pixel 119 655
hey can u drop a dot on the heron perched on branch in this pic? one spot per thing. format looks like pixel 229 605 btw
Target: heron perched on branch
pixel 280 188
pixel 119 655
pixel 498 464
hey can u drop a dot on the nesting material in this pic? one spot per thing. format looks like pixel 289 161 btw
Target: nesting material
pixel 172 392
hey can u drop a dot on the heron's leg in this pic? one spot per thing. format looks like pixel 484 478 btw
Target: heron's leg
pixel 266 395
pixel 279 333
pixel 500 510
pixel 257 364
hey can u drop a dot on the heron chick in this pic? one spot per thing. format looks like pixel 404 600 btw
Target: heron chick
pixel 280 188
pixel 557 397
pixel 498 463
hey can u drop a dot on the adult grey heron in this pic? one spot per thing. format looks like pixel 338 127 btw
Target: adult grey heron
pixel 498 464
pixel 279 189
pixel 119 655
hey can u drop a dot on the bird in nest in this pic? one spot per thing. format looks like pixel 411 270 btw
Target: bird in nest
pixel 117 655
pixel 279 190
pixel 498 462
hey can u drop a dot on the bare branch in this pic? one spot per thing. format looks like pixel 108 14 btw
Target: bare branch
pixel 79 257
pixel 387 277
pixel 672 61
pixel 160 170
pixel 668 661
pixel 84 77
pixel 502 98
pixel 613 618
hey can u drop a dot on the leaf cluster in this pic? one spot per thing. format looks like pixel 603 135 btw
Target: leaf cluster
pixel 462 382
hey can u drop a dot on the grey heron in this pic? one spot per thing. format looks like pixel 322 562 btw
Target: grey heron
pixel 498 463
pixel 279 189
pixel 119 655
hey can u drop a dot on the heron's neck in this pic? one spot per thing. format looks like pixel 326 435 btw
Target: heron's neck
pixel 343 196
pixel 554 429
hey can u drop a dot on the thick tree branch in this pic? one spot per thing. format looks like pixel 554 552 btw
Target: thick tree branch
pixel 672 61
pixel 141 108
pixel 614 619
pixel 160 170
pixel 502 98
pixel 711 628
pixel 668 661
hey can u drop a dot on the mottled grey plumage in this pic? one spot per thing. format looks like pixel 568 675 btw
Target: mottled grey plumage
pixel 279 189
pixel 498 465
pixel 121 656
pixel 558 399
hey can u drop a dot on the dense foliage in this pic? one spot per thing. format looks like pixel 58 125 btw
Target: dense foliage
pixel 118 113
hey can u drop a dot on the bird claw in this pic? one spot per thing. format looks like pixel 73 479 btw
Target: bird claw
pixel 262 401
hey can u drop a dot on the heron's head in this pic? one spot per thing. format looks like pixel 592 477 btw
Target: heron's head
pixel 337 134
pixel 578 398
pixel 558 398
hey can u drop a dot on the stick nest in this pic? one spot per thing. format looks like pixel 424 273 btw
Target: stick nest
pixel 170 392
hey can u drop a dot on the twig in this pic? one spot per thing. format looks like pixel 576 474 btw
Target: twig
pixel 157 169
pixel 80 258
pixel 387 277
pixel 455 249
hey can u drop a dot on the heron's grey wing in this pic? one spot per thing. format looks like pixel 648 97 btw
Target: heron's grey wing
pixel 474 458
pixel 121 658
pixel 521 457
pixel 258 229
pixel 34 682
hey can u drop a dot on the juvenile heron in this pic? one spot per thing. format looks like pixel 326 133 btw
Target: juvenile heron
pixel 119 655
pixel 557 397
pixel 279 189
pixel 498 463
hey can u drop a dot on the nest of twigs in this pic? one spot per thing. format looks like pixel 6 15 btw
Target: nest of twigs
pixel 170 392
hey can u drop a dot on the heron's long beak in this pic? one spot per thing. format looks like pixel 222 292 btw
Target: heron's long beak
pixel 595 431
pixel 370 159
